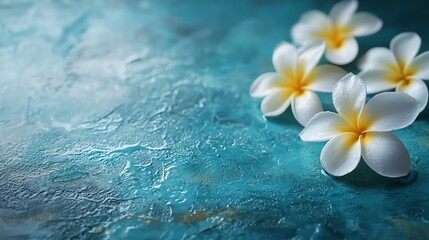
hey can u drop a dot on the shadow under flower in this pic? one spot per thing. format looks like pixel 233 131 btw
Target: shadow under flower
pixel 365 177
pixel 285 119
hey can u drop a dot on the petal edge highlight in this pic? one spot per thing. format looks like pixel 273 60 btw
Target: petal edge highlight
pixel 285 58
pixel 324 126
pixel 276 103
pixel 341 154
pixel 376 80
pixel 364 23
pixel 385 154
pixel 342 12
pixel 405 47
pixel 325 77
pixel 264 84
pixel 417 89
pixel 305 106
pixel 349 97
pixel 388 111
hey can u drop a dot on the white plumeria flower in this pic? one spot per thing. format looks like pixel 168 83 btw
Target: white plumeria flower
pixel 295 80
pixel 384 69
pixel 363 130
pixel 338 30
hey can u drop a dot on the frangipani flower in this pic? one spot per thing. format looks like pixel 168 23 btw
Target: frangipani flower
pixel 363 130
pixel 295 80
pixel 384 69
pixel 338 30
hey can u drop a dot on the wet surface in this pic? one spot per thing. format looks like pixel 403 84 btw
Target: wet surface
pixel 132 119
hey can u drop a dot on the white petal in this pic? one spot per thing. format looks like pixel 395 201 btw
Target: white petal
pixel 378 58
pixel 345 54
pixel 301 33
pixel 349 97
pixel 385 154
pixel 265 84
pixel 285 58
pixel 310 54
pixel 343 11
pixel 405 47
pixel 377 80
pixel 341 154
pixel 305 106
pixel 315 19
pixel 417 89
pixel 276 103
pixel 388 111
pixel 309 25
pixel 364 24
pixel 324 78
pixel 324 126
pixel 421 65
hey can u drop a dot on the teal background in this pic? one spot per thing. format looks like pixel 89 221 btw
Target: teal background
pixel 132 119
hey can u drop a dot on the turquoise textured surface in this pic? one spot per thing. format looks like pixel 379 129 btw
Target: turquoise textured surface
pixel 132 119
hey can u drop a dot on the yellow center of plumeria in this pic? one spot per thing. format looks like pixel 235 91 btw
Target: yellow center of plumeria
pixel 357 127
pixel 401 75
pixel 352 139
pixel 360 131
pixel 295 82
pixel 355 133
pixel 334 36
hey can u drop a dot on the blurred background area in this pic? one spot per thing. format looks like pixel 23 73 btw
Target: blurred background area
pixel 132 119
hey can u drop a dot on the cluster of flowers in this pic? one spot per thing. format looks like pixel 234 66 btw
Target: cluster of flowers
pixel 359 129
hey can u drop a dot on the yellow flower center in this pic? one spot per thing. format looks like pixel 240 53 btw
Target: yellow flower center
pixel 402 75
pixel 360 130
pixel 334 36
pixel 356 132
pixel 357 123
pixel 295 82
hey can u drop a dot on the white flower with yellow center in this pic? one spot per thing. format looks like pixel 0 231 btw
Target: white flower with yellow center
pixel 295 80
pixel 363 130
pixel 338 30
pixel 399 68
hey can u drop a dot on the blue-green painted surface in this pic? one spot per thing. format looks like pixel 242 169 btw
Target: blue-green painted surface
pixel 132 119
